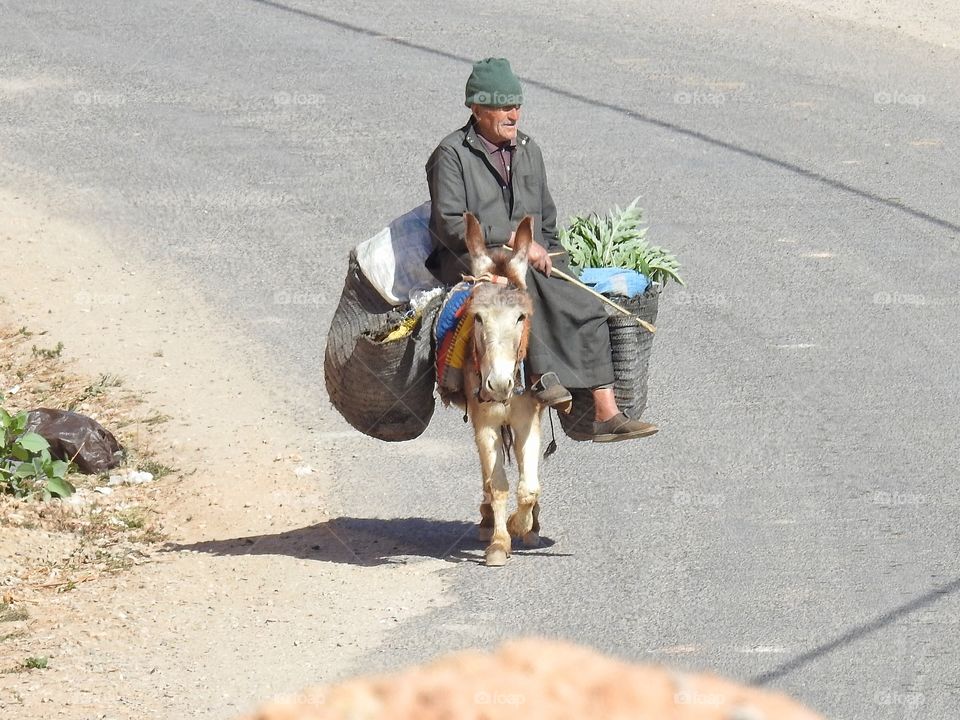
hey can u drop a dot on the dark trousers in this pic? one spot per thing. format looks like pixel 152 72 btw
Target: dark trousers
pixel 568 333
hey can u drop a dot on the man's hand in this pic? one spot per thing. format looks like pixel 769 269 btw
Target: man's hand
pixel 539 258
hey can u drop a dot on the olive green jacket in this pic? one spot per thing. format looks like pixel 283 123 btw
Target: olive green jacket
pixel 462 178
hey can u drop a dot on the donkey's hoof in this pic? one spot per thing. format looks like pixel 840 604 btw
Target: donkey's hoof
pixel 496 557
pixel 531 539
pixel 484 534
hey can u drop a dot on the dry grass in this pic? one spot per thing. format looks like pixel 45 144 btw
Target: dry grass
pixel 42 379
pixel 59 545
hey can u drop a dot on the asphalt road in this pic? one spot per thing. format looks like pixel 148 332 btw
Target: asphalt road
pixel 793 524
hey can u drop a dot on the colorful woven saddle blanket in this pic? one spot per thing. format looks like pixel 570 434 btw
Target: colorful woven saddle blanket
pixel 451 333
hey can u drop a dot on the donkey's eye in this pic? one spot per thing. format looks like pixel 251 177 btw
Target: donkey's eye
pixel 521 319
pixel 478 320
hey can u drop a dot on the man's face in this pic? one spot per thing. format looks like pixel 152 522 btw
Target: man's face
pixel 497 124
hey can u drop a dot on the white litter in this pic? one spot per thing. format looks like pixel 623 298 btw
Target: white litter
pixel 78 498
pixel 303 471
pixel 131 477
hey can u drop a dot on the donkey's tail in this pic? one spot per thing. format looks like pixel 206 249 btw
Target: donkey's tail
pixel 506 437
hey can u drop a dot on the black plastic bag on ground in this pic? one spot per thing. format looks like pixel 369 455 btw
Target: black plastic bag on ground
pixel 76 438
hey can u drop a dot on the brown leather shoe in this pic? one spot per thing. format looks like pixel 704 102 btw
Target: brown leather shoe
pixel 551 393
pixel 621 427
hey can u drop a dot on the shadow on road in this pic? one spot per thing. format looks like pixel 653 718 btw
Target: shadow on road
pixel 856 633
pixel 365 541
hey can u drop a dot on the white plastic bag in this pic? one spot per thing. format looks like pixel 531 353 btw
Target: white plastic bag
pixel 393 259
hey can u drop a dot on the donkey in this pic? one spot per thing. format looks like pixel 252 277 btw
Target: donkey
pixel 501 409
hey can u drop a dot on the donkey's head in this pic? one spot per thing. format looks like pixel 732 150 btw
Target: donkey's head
pixel 500 308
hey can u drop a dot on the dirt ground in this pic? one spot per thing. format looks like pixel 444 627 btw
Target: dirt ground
pixel 179 634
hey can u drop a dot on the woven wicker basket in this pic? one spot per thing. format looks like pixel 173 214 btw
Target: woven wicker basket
pixel 631 346
pixel 383 389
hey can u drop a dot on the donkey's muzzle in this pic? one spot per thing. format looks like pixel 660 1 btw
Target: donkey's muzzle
pixel 498 389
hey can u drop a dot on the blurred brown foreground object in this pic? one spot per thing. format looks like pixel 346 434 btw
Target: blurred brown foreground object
pixel 533 679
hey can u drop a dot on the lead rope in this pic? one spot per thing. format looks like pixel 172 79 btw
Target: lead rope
pixel 552 447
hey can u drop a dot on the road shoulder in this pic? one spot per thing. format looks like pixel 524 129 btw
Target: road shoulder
pixel 256 583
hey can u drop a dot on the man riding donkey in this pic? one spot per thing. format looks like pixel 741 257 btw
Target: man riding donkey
pixel 490 169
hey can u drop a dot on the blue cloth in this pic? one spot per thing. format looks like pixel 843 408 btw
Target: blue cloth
pixel 447 320
pixel 615 281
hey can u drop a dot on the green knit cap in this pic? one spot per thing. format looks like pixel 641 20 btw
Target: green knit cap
pixel 493 83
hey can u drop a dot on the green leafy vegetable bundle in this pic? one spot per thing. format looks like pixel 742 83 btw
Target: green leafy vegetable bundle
pixel 617 240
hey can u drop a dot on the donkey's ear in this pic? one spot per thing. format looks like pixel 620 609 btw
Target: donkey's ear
pixel 521 247
pixel 479 259
pixel 474 235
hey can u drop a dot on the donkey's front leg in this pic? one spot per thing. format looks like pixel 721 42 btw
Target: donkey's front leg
pixel 525 420
pixel 495 478
pixel 485 528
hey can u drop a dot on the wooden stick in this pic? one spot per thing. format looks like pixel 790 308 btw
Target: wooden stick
pixel 643 323
pixel 59 583
pixel 569 278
